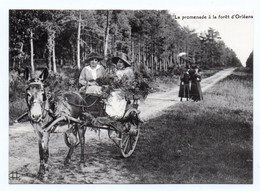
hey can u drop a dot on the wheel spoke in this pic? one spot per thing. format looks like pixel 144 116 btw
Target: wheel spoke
pixel 133 138
pixel 130 143
pixel 126 144
pixel 125 139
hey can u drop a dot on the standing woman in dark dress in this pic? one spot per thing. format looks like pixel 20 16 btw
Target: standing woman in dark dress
pixel 196 93
pixel 184 91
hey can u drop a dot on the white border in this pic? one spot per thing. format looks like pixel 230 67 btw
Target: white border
pixel 123 4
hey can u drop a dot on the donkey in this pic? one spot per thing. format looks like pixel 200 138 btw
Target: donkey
pixel 44 117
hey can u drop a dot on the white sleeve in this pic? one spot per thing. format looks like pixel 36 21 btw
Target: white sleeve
pixel 82 77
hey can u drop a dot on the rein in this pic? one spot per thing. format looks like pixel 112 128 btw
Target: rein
pixel 85 106
pixel 44 109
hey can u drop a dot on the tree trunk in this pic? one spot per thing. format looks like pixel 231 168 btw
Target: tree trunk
pixel 106 36
pixel 139 51
pixel 170 61
pixel 53 56
pixel 144 58
pixel 156 63
pixel 73 55
pixel 152 54
pixel 49 45
pixel 31 42
pixel 152 64
pixel 78 43
pixel 166 64
pixel 91 44
pixel 133 52
pixel 61 62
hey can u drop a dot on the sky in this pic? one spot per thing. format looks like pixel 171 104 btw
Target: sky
pixel 235 31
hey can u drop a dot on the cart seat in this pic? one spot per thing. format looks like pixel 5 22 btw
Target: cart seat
pixel 94 104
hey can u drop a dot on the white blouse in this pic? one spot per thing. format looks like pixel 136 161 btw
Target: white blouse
pixel 93 71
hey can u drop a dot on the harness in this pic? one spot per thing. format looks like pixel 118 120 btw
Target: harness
pixel 84 106
pixel 45 111
pixel 84 99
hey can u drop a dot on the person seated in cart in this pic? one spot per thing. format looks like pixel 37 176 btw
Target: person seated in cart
pixel 90 73
pixel 116 102
pixel 122 78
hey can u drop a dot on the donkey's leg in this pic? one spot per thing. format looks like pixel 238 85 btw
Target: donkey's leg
pixel 43 142
pixel 82 131
pixel 68 157
pixel 41 152
pixel 45 145
pixel 72 136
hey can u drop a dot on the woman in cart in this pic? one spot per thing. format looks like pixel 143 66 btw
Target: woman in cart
pixel 90 74
pixel 116 103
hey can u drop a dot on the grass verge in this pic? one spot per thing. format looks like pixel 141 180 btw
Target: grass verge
pixel 208 142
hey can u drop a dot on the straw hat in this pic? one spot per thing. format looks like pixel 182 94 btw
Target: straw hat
pixel 94 55
pixel 123 57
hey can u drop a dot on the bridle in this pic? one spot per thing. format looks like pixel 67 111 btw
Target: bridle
pixel 43 103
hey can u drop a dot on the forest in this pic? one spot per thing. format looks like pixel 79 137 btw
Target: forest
pixel 152 39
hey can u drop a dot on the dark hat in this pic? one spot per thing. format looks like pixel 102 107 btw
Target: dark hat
pixel 94 55
pixel 122 56
pixel 194 65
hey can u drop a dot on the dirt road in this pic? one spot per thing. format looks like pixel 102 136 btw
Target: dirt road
pixel 160 101
pixel 104 163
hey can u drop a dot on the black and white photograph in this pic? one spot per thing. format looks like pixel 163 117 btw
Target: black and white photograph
pixel 130 96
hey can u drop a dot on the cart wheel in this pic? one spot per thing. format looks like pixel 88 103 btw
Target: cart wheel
pixel 112 134
pixel 129 138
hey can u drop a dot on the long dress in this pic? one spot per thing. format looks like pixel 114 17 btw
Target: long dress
pixel 184 91
pixel 116 103
pixel 196 92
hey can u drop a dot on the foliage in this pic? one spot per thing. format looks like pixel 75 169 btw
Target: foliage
pixel 66 81
pixel 16 86
pixel 59 104
pixel 151 38
pixel 138 86
pixel 250 61
pixel 17 93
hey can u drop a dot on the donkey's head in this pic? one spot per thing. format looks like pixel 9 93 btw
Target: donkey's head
pixel 36 95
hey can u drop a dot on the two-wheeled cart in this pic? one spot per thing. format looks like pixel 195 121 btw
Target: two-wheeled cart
pixel 124 132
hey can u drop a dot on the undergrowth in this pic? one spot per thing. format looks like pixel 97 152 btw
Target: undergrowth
pixel 64 80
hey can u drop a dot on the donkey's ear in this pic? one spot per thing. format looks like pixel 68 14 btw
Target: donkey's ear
pixel 44 74
pixel 27 73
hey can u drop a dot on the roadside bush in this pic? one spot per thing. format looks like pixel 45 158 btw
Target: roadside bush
pixel 64 80
pixel 16 86
pixel 17 105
